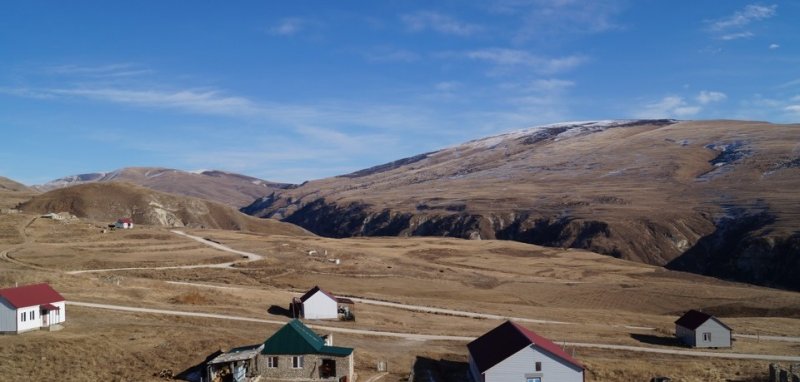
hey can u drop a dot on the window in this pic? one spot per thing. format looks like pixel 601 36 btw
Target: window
pixel 707 337
pixel 297 362
pixel 538 366
pixel 32 314
pixel 272 362
pixel 23 316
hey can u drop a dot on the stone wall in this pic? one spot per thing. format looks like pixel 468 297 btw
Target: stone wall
pixel 310 370
pixel 778 373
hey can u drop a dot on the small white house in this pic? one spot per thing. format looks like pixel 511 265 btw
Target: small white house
pixel 511 352
pixel 702 330
pixel 318 304
pixel 124 223
pixel 30 307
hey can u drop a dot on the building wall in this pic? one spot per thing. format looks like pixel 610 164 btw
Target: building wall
pixel 59 316
pixel 720 336
pixel 474 374
pixel 320 306
pixel 28 324
pixel 8 317
pixel 522 364
pixel 686 335
pixel 310 370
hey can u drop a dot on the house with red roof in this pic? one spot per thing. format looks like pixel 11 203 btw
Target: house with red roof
pixel 511 352
pixel 319 304
pixel 30 307
pixel 702 330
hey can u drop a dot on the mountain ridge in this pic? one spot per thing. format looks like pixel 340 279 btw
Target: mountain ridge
pixel 654 191
pixel 220 186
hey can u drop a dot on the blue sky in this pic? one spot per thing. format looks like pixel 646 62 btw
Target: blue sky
pixel 309 89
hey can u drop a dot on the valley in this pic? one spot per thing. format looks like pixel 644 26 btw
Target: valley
pixel 584 300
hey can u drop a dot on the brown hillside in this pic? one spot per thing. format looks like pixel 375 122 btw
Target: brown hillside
pixel 109 201
pixel 13 193
pixel 223 187
pixel 714 197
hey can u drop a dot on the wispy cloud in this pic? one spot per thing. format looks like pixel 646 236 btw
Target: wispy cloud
pixel 385 54
pixel 101 71
pixel 706 97
pixel 426 20
pixel 547 18
pixel 742 18
pixel 774 46
pixel 514 57
pixel 734 27
pixel 668 107
pixel 288 26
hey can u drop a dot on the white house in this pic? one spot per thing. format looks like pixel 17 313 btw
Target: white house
pixel 318 304
pixel 124 223
pixel 511 352
pixel 30 307
pixel 702 330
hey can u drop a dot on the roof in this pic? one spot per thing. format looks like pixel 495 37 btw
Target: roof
pixel 50 307
pixel 237 354
pixel 314 291
pixel 125 220
pixel 507 339
pixel 343 300
pixel 296 338
pixel 694 318
pixel 30 295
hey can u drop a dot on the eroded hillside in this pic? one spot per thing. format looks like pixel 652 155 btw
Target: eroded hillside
pixel 713 197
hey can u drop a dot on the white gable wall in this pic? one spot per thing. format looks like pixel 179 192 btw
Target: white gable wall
pixel 28 323
pixel 320 306
pixel 720 336
pixel 8 317
pixel 523 363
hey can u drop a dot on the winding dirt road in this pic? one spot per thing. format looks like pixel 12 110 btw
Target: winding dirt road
pixel 249 256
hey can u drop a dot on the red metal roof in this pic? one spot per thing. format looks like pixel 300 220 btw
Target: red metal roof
pixel 49 307
pixel 125 220
pixel 507 339
pixel 30 295
pixel 694 318
pixel 313 291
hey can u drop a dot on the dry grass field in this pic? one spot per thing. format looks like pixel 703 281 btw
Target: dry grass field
pixel 593 298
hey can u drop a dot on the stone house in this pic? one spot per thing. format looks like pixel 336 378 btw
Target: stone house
pixel 296 353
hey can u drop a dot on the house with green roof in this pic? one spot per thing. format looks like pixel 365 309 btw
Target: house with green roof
pixel 296 353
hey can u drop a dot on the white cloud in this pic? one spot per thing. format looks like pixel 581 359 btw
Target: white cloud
pixel 548 18
pixel 514 57
pixel 552 84
pixel 774 46
pixel 447 86
pixel 668 107
pixel 438 22
pixel 288 27
pixel 793 108
pixel 736 36
pixel 110 70
pixel 744 17
pixel 392 55
pixel 706 97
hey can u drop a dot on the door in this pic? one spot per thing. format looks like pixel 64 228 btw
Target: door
pixel 328 368
pixel 45 318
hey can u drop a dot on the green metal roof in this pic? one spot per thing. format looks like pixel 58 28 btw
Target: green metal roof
pixel 296 338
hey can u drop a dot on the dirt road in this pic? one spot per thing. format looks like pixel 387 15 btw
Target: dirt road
pixel 428 337
pixel 248 256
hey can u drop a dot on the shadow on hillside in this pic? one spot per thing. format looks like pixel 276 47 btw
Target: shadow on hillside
pixel 276 310
pixel 657 340
pixel 197 372
pixel 442 370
